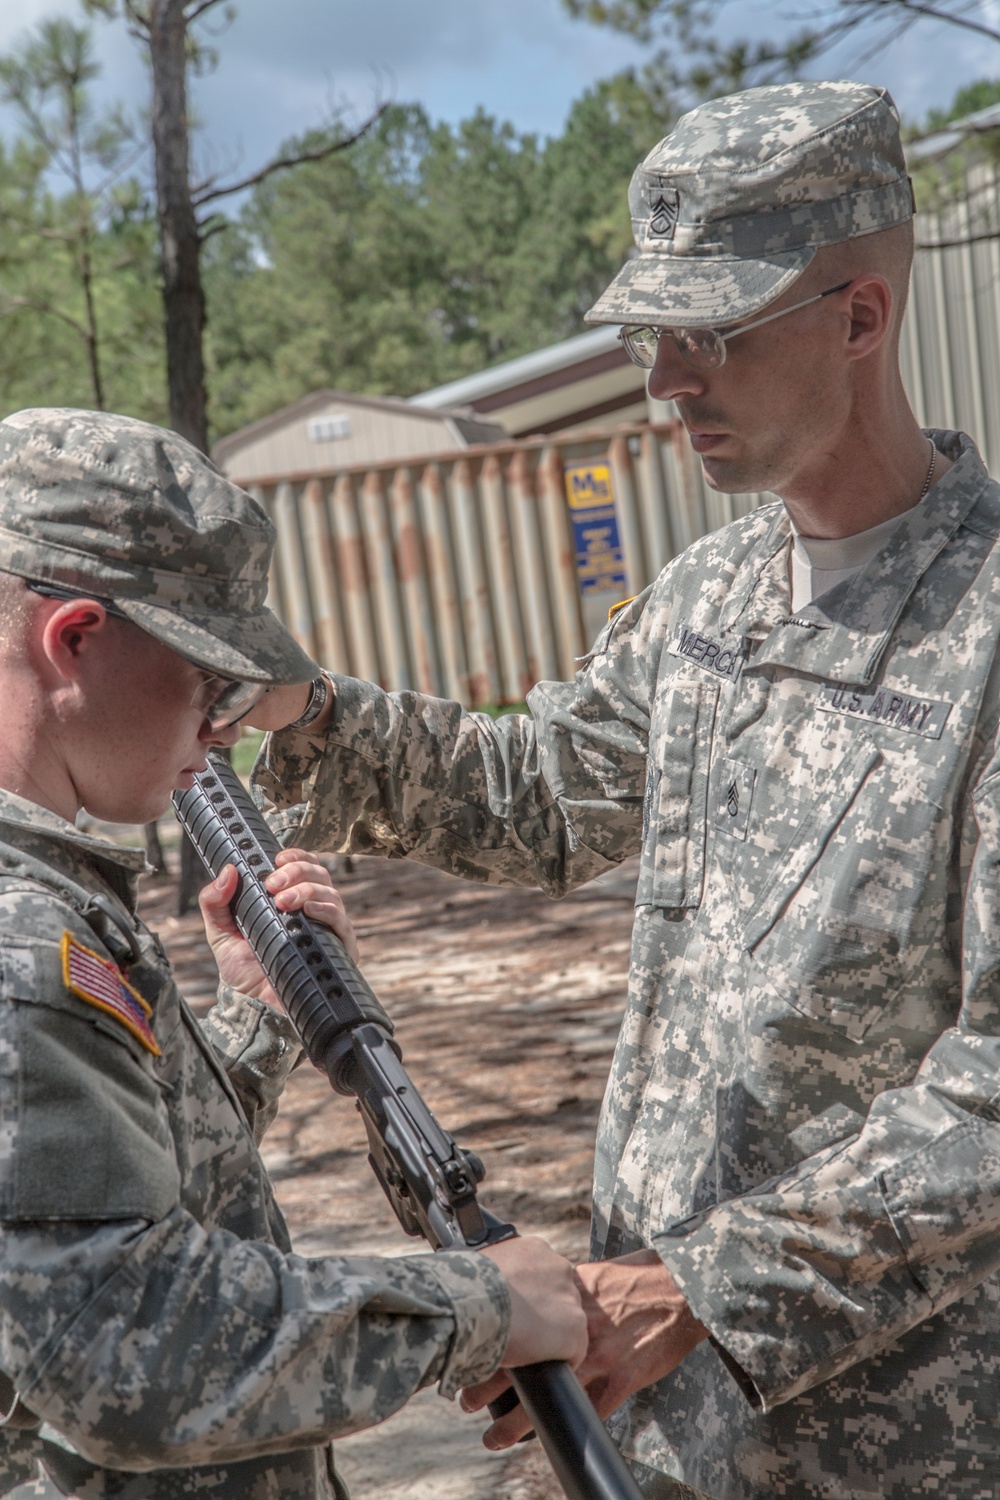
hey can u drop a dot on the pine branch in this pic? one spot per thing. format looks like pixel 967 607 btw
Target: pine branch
pixel 210 194
pixel 32 304
pixel 919 8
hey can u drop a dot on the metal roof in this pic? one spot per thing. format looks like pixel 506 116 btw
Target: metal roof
pixel 515 372
pixel 954 133
pixel 227 445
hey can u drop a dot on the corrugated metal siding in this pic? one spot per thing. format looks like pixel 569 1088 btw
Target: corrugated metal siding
pixel 950 349
pixel 455 574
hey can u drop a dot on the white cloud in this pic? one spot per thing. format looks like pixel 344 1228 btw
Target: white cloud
pixel 281 65
pixel 521 59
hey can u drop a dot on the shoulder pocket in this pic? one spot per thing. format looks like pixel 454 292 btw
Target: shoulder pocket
pixel 88 1132
pixel 672 868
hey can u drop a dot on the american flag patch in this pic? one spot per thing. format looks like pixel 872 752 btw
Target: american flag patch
pixel 100 982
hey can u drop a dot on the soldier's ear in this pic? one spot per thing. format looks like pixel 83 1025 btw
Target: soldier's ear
pixel 70 630
pixel 871 310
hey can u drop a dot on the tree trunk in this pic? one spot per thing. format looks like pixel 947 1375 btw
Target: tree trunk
pixel 180 243
pixel 92 340
pixel 183 296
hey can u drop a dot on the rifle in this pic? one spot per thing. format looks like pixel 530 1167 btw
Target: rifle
pixel 429 1180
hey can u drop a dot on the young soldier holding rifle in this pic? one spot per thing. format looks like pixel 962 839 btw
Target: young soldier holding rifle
pixel 157 1336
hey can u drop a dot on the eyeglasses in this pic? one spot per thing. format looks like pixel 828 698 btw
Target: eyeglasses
pixel 223 701
pixel 704 348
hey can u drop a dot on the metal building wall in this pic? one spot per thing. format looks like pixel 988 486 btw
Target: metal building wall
pixel 455 575
pixel 950 348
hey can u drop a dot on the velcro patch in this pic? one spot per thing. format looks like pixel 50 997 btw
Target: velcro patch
pixel 732 813
pixel 101 983
pixel 926 716
pixel 724 661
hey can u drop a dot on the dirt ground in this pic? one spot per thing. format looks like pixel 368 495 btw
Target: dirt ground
pixel 507 1006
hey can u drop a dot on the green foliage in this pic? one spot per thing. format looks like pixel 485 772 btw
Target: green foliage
pixel 939 180
pixel 43 357
pixel 970 99
pixel 424 253
pixel 245 751
pixel 77 245
pixel 634 17
pixel 699 59
pixel 499 710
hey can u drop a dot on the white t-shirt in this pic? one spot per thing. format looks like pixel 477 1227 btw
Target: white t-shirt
pixel 819 562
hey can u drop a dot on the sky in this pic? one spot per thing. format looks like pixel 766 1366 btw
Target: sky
pixel 284 64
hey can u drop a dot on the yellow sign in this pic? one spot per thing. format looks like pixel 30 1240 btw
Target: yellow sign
pixel 589 485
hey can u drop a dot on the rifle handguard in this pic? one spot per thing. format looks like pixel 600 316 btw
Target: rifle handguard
pixel 322 990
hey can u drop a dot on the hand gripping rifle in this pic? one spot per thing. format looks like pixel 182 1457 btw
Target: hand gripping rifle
pixel 429 1180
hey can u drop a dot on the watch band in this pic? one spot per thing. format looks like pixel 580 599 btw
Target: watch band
pixel 320 694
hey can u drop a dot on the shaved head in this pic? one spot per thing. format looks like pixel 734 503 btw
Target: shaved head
pixel 889 253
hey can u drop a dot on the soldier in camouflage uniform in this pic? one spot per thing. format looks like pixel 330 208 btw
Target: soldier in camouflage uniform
pixel 796 1233
pixel 158 1338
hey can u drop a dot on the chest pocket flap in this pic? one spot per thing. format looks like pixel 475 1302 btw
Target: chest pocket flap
pixel 86 1129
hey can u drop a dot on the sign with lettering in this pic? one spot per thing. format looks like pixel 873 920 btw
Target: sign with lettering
pixel 600 561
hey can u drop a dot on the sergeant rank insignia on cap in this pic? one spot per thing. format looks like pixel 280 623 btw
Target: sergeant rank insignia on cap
pixel 100 982
pixel 664 212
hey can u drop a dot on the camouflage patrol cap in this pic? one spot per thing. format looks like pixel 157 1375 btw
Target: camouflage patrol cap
pixel 728 210
pixel 129 512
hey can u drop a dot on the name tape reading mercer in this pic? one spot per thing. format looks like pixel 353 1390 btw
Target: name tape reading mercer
pixel 715 656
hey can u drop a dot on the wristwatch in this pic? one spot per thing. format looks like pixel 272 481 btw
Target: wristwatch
pixel 321 691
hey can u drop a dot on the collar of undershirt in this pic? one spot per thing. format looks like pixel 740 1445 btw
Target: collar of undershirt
pixel 835 554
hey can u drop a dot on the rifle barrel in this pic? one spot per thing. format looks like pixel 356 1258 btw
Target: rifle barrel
pixel 336 1014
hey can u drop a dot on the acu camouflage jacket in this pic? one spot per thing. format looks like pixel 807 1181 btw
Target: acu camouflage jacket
pixel 803 1115
pixel 152 1314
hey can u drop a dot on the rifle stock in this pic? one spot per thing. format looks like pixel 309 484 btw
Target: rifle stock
pixel 429 1180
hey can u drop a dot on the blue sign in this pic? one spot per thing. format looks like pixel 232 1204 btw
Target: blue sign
pixel 600 562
